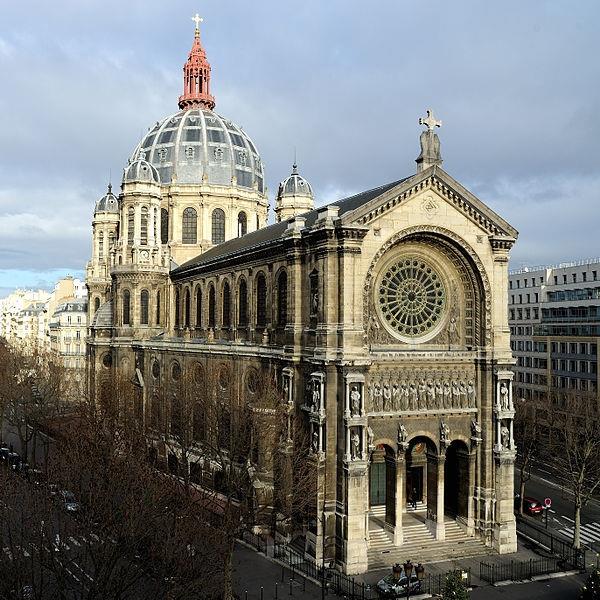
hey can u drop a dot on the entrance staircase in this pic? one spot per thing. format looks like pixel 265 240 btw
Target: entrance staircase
pixel 419 544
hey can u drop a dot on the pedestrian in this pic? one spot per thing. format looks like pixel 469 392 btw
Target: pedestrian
pixel 414 498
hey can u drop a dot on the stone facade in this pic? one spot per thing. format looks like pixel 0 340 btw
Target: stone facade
pixel 383 317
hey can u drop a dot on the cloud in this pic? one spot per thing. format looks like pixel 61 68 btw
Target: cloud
pixel 82 82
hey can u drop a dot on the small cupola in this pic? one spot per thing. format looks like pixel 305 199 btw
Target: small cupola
pixel 294 197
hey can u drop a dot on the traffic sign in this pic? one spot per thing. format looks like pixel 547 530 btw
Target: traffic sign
pixel 547 502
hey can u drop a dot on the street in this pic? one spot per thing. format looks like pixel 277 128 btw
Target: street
pixel 560 516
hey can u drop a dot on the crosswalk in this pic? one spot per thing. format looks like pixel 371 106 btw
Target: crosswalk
pixel 59 544
pixel 590 532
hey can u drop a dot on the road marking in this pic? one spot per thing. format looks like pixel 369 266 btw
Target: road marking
pixel 94 537
pixel 589 533
pixel 74 541
pixel 567 519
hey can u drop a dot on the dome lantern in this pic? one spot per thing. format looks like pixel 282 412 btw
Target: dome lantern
pixel 196 76
pixel 295 196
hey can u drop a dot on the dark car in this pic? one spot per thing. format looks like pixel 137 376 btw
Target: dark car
pixel 4 452
pixel 392 587
pixel 531 506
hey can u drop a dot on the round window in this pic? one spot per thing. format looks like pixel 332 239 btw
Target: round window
pixel 176 371
pixel 107 360
pixel 411 297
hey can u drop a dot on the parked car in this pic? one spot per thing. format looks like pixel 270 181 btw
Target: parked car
pixel 4 452
pixel 531 506
pixel 390 587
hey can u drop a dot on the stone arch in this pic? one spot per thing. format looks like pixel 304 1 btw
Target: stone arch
pixel 457 481
pixel 470 267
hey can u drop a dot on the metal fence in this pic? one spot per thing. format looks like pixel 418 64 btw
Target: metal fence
pixel 572 557
pixel 520 570
pixel 256 541
pixel 339 584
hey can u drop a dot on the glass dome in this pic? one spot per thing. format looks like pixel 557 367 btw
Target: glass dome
pixel 197 146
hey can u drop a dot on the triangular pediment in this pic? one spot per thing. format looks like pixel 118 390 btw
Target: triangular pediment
pixel 436 179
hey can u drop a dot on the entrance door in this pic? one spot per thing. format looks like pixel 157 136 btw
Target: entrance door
pixel 377 483
pixel 414 484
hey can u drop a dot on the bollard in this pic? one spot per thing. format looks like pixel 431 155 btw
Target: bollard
pixel 246 594
pixel 261 593
pixel 290 587
pixel 282 573
pixel 276 591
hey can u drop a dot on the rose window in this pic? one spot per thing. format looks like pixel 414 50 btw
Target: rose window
pixel 411 297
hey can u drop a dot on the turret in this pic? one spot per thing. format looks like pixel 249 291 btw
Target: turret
pixel 295 196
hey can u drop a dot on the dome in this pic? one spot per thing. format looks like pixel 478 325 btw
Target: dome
pixel 294 185
pixel 197 145
pixel 139 169
pixel 108 202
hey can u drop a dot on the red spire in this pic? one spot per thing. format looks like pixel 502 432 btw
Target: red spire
pixel 196 76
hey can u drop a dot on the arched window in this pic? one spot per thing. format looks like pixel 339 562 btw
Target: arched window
pixel 186 322
pixel 130 225
pixel 155 225
pixel 226 319
pixel 218 226
pixel 101 245
pixel 242 224
pixel 257 222
pixel 261 300
pixel 144 227
pixel 198 422
pixel 164 226
pixel 126 308
pixel 189 229
pixel 144 303
pixel 96 305
pixel 243 304
pixel 198 307
pixel 282 299
pixel 177 309
pixel 211 306
pixel 158 308
pixel 111 240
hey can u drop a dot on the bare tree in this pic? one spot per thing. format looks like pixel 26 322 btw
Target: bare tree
pixel 527 434
pixel 573 444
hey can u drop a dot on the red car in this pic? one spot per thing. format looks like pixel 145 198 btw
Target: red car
pixel 531 506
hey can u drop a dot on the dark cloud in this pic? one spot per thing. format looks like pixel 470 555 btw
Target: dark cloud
pixel 517 85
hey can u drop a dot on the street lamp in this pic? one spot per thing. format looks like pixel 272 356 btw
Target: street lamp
pixel 420 571
pixel 408 569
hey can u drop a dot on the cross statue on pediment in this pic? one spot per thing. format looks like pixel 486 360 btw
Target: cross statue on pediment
pixel 430 121
pixel 197 19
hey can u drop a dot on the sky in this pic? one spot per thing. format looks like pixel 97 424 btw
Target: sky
pixel 516 84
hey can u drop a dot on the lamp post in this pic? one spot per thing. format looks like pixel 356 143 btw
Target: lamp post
pixel 408 569
pixel 420 571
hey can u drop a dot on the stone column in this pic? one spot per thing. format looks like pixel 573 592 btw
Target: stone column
pixel 440 530
pixel 471 494
pixel 400 493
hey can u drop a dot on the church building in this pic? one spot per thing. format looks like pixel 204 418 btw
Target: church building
pixel 383 315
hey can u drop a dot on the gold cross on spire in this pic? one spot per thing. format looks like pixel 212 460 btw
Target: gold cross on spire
pixel 197 19
pixel 430 121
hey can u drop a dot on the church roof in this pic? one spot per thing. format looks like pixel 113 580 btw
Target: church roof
pixel 103 317
pixel 266 235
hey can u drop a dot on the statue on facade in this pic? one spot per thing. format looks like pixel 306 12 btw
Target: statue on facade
pixel 471 397
pixel 447 395
pixel 504 397
pixel 463 394
pixel 316 396
pixel 378 398
pixel 355 445
pixel 422 390
pixel 387 397
pixel 414 397
pixel 404 399
pixel 402 436
pixel 475 429
pixel 370 437
pixel 371 397
pixel 444 434
pixel 430 395
pixel 439 394
pixel 395 397
pixel 505 437
pixel 355 401
pixel 455 395
pixel 315 441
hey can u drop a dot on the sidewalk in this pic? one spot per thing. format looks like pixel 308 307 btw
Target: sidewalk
pixel 253 570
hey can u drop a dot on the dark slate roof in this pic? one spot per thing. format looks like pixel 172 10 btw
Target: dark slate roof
pixel 104 316
pixel 265 235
